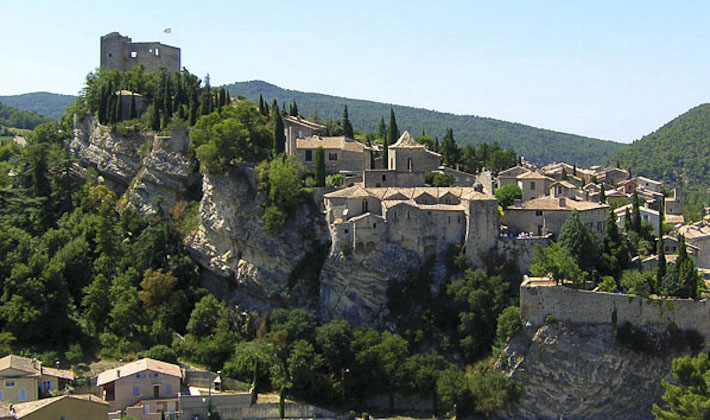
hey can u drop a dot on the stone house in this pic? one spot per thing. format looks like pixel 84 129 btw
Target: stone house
pixel 66 407
pixel 674 205
pixel 698 235
pixel 647 214
pixel 546 215
pixel 611 176
pixel 421 219
pixel 297 128
pixel 342 155
pixel 409 162
pixel 649 184
pixel 563 189
pixel 534 185
pixel 144 379
pixel 24 379
pixel 510 176
pixel 126 97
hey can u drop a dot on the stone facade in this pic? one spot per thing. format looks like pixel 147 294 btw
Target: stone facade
pixel 546 215
pixel 586 307
pixel 297 128
pixel 120 53
pixel 341 154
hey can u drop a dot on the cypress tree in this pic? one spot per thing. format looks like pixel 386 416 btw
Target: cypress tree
pixel 314 114
pixel 229 98
pixel 132 108
pixel 279 135
pixel 615 253
pixel 267 111
pixel 102 106
pixel 283 108
pixel 319 168
pixel 381 129
pixel 117 117
pixel 274 106
pixel 261 105
pixel 193 108
pixel 661 269
pixel 347 127
pixel 166 113
pixel 155 120
pixel 390 138
pixel 602 195
pixel 293 110
pixel 574 170
pixel 436 144
pixel 636 213
pixel 628 225
pixel 449 149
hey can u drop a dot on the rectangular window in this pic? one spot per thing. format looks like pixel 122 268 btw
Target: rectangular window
pixel 332 156
pixel 136 390
pixel 384 177
pixel 9 384
pixel 538 213
pixel 169 389
pixel 21 395
pixel 532 185
pixel 309 155
pixel 374 225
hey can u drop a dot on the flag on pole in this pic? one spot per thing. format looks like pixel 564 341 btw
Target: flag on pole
pixel 167 30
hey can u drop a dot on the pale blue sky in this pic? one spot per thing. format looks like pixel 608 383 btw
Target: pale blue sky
pixel 607 69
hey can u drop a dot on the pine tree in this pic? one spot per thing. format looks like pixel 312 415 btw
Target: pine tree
pixel 262 110
pixel 132 108
pixel 279 135
pixel 319 168
pixel 347 127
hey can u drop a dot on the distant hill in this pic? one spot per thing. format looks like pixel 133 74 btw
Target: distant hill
pixel 51 105
pixel 535 144
pixel 15 118
pixel 678 151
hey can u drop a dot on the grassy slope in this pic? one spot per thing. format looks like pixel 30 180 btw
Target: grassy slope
pixel 535 144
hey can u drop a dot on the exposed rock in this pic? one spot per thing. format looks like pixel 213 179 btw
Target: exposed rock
pixel 115 157
pixel 231 242
pixel 578 371
pixel 354 286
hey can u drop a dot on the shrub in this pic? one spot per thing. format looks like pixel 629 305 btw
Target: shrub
pixel 509 323
pixel 74 354
pixel 549 319
pixel 274 219
pixel 161 352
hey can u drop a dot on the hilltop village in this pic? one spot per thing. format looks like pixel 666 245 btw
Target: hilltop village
pixel 194 255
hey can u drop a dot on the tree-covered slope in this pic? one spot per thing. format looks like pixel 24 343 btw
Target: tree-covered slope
pixel 11 117
pixel 678 151
pixel 50 105
pixel 533 143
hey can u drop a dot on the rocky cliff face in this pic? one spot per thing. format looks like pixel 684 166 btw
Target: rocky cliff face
pixel 354 286
pixel 231 242
pixel 579 371
pixel 153 170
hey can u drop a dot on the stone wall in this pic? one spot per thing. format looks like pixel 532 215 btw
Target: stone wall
pixel 521 250
pixel 120 53
pixel 586 307
pixel 237 406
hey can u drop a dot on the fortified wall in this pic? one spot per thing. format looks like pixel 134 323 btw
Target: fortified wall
pixel 121 53
pixel 587 307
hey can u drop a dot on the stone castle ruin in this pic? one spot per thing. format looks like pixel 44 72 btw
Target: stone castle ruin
pixel 121 53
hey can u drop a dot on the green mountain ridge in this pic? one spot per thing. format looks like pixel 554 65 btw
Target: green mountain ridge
pixel 15 118
pixel 675 153
pixel 51 105
pixel 535 144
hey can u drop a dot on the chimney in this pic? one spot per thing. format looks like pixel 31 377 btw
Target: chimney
pixel 562 202
pixel 118 373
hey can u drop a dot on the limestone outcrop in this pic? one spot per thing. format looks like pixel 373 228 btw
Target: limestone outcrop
pixel 116 158
pixel 579 371
pixel 230 240
pixel 353 286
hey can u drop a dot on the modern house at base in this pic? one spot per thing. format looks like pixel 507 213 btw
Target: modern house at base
pixel 24 379
pixel 65 407
pixel 144 379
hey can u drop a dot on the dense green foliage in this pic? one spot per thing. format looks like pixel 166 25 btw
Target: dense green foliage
pixel 676 152
pixel 11 117
pixel 535 144
pixel 507 194
pixel 688 396
pixel 50 105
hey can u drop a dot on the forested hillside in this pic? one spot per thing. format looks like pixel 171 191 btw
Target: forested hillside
pixel 51 105
pixel 533 143
pixel 11 117
pixel 676 152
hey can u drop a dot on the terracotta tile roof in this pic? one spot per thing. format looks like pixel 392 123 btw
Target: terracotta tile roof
pixel 383 193
pixel 340 143
pixel 552 203
pixel 695 230
pixel 26 408
pixel 565 184
pixel 58 373
pixel 136 367
pixel 674 219
pixel 648 180
pixel 534 175
pixel 20 363
pixel 305 123
pixel 512 172
pixel 406 141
